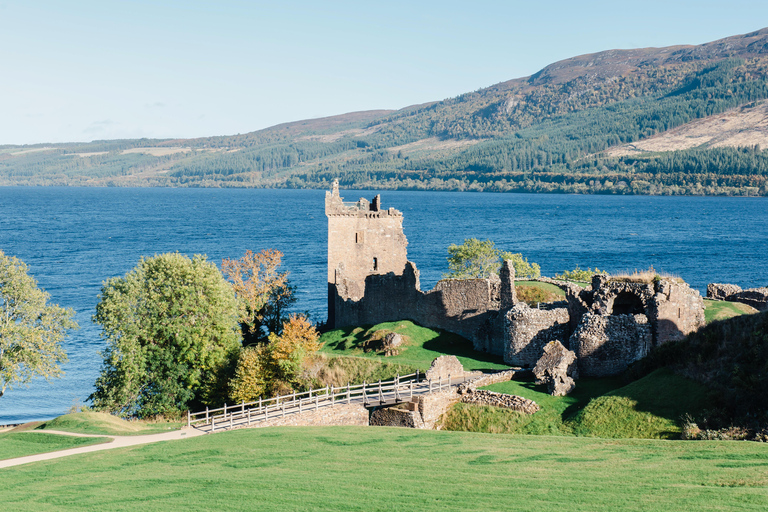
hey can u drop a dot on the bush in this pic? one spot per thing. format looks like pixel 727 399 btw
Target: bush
pixel 582 276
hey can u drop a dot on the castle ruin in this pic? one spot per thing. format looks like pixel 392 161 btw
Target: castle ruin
pixel 609 324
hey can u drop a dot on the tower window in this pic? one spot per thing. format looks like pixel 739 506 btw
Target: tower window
pixel 375 264
pixel 360 237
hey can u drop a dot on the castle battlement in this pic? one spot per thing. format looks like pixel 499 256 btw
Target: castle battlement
pixel 336 207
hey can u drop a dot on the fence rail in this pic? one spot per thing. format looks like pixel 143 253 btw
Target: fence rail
pixel 399 389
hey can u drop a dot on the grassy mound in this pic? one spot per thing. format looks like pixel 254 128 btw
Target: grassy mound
pixel 552 419
pixel 649 408
pixel 721 310
pixel 532 292
pixel 19 444
pixel 422 347
pixel 731 358
pixel 107 424
pixel 368 469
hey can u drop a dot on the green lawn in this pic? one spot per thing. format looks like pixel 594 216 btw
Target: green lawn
pixel 422 346
pixel 650 408
pixel 371 469
pixel 551 288
pixel 106 424
pixel 722 310
pixel 20 444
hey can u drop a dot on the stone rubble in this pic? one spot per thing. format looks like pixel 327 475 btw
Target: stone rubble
pixel 557 369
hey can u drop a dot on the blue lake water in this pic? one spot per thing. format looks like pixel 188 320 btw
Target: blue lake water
pixel 75 238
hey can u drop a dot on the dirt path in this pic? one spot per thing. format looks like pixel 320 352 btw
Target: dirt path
pixel 117 442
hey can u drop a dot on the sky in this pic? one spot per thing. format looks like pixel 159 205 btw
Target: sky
pixel 93 70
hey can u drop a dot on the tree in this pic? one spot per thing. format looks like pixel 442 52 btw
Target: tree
pixel 263 370
pixel 31 330
pixel 171 329
pixel 264 293
pixel 473 259
pixel 480 259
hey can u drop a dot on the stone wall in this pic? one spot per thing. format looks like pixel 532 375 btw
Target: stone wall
pixel 607 345
pixel 340 414
pixel 396 417
pixel 755 297
pixel 528 330
pixel 434 405
pixel 679 311
pixel 468 307
pixel 514 402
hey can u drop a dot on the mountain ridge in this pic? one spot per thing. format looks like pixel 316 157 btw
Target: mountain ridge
pixel 555 126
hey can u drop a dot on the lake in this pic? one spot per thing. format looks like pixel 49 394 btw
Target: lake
pixel 75 238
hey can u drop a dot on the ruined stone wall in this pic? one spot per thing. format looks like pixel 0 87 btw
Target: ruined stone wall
pixel 468 307
pixel 607 344
pixel 755 297
pixel 434 405
pixel 679 311
pixel 396 417
pixel 529 329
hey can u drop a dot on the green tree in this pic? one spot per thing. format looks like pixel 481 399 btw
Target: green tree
pixel 480 259
pixel 171 328
pixel 31 330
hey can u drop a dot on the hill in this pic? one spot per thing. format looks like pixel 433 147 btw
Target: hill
pixel 640 121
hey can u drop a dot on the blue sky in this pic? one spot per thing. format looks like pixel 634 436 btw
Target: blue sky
pixel 82 70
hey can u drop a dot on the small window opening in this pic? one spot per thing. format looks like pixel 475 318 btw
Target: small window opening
pixel 360 237
pixel 375 264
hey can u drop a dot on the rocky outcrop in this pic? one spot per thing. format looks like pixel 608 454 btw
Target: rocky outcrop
pixel 514 402
pixel 557 369
pixel 607 345
pixel 529 329
pixel 444 367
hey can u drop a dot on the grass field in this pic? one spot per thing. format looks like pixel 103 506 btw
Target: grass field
pixel 422 346
pixel 649 408
pixel 369 469
pixel 19 444
pixel 106 424
pixel 722 310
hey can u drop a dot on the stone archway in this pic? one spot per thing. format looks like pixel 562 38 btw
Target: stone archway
pixel 627 303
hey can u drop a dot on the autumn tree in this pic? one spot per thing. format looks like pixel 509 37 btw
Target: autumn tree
pixel 264 293
pixel 263 369
pixel 171 326
pixel 31 330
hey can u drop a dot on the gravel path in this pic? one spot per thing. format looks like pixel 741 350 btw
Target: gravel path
pixel 116 442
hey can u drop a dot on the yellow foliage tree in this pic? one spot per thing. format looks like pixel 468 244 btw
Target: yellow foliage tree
pixel 264 292
pixel 262 368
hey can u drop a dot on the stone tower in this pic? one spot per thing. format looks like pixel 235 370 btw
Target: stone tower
pixel 363 240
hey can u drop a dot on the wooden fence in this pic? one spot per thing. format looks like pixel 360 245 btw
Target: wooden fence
pixel 399 389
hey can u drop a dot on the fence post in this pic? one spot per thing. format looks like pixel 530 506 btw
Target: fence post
pixel 189 419
pixel 283 409
pixel 231 419
pixel 310 392
pixel 348 394
pixel 365 397
pixel 430 385
pixel 417 376
pixel 449 381
pixel 213 423
pixel 300 411
pixel 381 400
pixel 333 398
pixel 242 407
pixel 411 388
pixel 206 414
pixel 225 410
pixel 259 404
pixel 317 401
pixel 249 417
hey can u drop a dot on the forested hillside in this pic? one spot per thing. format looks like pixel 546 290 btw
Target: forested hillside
pixel 555 131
